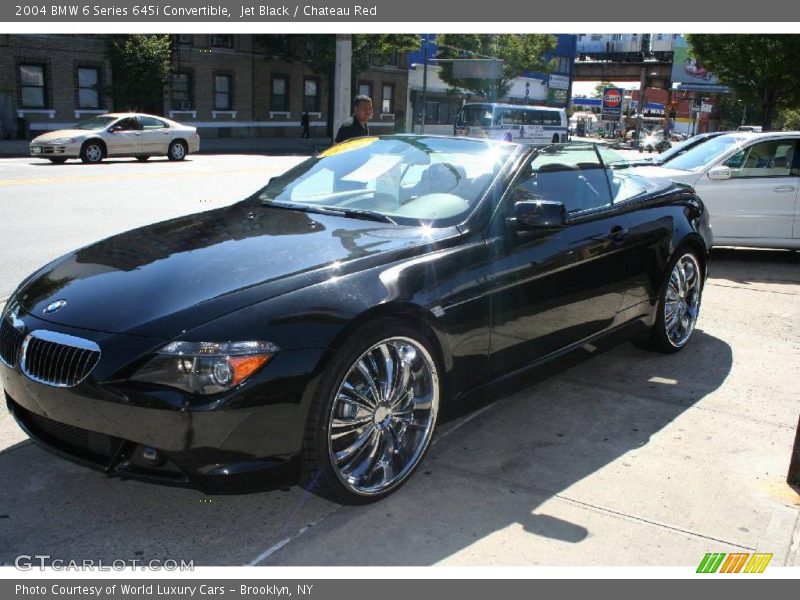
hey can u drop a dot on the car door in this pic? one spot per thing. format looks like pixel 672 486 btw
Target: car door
pixel 759 198
pixel 553 287
pixel 124 138
pixel 156 135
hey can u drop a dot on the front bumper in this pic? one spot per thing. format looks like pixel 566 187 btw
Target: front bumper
pixel 55 151
pixel 248 439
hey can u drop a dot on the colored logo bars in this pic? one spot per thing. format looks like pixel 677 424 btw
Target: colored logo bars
pixel 716 562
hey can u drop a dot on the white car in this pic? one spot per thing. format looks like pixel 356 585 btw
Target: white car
pixel 749 182
pixel 118 134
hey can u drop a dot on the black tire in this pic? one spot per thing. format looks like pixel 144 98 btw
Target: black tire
pixel 142 158
pixel 319 473
pixel 177 150
pixel 659 338
pixel 57 161
pixel 93 152
pixel 555 138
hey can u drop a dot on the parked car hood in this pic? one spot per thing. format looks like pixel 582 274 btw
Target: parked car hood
pixel 656 172
pixel 165 278
pixel 61 133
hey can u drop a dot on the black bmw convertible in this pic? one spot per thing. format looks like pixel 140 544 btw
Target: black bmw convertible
pixel 312 332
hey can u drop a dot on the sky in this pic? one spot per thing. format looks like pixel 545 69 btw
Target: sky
pixel 586 88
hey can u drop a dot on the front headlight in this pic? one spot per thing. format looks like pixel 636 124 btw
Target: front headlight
pixel 61 141
pixel 206 367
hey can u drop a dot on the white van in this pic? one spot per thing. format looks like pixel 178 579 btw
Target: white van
pixel 535 125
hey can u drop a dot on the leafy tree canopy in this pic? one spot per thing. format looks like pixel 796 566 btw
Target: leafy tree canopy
pixel 761 69
pixel 519 53
pixel 140 65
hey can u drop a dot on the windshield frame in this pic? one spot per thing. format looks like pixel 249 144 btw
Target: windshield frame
pixel 511 159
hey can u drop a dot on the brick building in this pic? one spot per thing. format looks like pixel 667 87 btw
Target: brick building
pixel 48 81
pixel 226 85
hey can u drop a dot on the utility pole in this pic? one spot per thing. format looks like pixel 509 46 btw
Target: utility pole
pixel 424 81
pixel 342 97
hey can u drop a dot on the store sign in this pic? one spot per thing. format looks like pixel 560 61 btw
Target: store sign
pixel 556 97
pixel 612 104
pixel 559 82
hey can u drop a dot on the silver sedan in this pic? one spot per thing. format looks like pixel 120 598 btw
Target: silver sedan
pixel 118 134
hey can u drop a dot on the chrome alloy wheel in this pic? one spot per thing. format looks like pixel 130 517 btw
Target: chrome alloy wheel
pixel 682 302
pixel 383 416
pixel 94 153
pixel 178 151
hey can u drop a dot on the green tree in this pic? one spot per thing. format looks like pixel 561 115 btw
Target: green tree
pixel 318 52
pixel 519 53
pixel 141 65
pixel 761 69
pixel 733 111
pixel 788 119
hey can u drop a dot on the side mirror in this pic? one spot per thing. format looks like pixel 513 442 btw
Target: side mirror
pixel 115 129
pixel 539 214
pixel 719 173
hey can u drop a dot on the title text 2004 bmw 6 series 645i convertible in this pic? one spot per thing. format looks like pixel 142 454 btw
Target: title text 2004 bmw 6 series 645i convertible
pixel 313 331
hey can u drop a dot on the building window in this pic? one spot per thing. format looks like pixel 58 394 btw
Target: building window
pixel 222 41
pixel 222 92
pixel 387 100
pixel 32 86
pixel 311 95
pixel 88 87
pixel 181 91
pixel 280 94
pixel 184 38
pixel 365 89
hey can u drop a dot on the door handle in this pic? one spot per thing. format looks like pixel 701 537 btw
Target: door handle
pixel 619 233
pixel 783 188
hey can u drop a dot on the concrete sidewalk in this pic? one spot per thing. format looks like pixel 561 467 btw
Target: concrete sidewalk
pixel 208 145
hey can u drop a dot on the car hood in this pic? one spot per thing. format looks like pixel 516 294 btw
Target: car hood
pixel 61 133
pixel 656 172
pixel 162 279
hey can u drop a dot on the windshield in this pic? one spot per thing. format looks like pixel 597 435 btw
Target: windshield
pixel 679 148
pixel 476 115
pixel 96 123
pixel 409 180
pixel 700 156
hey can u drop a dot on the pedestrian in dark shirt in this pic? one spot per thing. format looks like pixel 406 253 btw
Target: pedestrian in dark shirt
pixel 356 126
pixel 304 123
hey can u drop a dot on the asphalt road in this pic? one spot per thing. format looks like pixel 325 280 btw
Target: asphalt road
pixel 625 458
pixel 48 210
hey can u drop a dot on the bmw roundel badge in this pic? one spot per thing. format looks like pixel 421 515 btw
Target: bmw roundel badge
pixel 54 306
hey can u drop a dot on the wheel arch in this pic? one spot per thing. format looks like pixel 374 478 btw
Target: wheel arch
pixel 696 243
pixel 408 312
